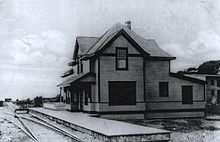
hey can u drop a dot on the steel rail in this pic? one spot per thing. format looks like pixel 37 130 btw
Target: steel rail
pixel 27 128
pixel 24 125
pixel 27 133
pixel 41 122
pixel 53 127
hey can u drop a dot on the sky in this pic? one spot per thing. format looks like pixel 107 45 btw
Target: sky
pixel 37 36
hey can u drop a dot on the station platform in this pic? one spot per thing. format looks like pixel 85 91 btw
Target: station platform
pixel 105 130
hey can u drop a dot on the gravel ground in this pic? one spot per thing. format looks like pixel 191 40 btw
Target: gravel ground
pixel 11 133
pixel 186 130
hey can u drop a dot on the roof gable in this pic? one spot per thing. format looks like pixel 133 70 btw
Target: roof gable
pixel 83 44
pixel 90 46
pixel 111 40
pixel 147 45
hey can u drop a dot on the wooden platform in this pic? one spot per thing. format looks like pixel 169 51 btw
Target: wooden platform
pixel 105 130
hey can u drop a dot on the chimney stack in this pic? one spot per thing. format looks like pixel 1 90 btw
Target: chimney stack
pixel 128 24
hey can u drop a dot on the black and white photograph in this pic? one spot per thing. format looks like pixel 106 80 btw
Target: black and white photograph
pixel 109 71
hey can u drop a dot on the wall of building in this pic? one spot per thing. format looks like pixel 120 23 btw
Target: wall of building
pixel 93 105
pixel 108 72
pixel 158 71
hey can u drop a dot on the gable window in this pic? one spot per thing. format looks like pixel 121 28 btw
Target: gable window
pixel 122 93
pixel 163 89
pixel 121 58
pixel 187 94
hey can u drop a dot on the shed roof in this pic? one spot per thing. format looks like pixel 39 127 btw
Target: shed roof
pixel 189 78
pixel 76 78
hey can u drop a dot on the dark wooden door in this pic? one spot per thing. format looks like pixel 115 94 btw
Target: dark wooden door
pixel 187 95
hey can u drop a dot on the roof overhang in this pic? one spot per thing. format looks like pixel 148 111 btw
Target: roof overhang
pixel 79 78
pixel 192 79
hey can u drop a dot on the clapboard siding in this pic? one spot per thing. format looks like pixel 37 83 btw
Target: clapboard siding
pixel 158 71
pixel 108 73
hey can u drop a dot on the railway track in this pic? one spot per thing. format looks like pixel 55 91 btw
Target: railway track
pixel 27 133
pixel 30 120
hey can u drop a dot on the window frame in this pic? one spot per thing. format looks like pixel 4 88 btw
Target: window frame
pixel 191 99
pixel 161 94
pixel 116 58
pixel 112 98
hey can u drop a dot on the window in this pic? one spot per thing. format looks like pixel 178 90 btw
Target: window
pixel 81 67
pixel 121 58
pixel 163 89
pixel 187 94
pixel 122 93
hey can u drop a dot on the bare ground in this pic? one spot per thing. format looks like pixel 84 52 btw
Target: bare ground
pixel 186 130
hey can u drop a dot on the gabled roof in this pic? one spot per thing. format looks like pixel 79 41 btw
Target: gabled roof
pixel 83 44
pixel 148 45
pixel 76 78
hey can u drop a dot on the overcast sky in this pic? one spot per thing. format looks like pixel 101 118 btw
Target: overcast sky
pixel 37 36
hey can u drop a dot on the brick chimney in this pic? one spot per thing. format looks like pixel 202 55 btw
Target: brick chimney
pixel 128 24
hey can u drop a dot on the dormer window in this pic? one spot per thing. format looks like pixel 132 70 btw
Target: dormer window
pixel 121 58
